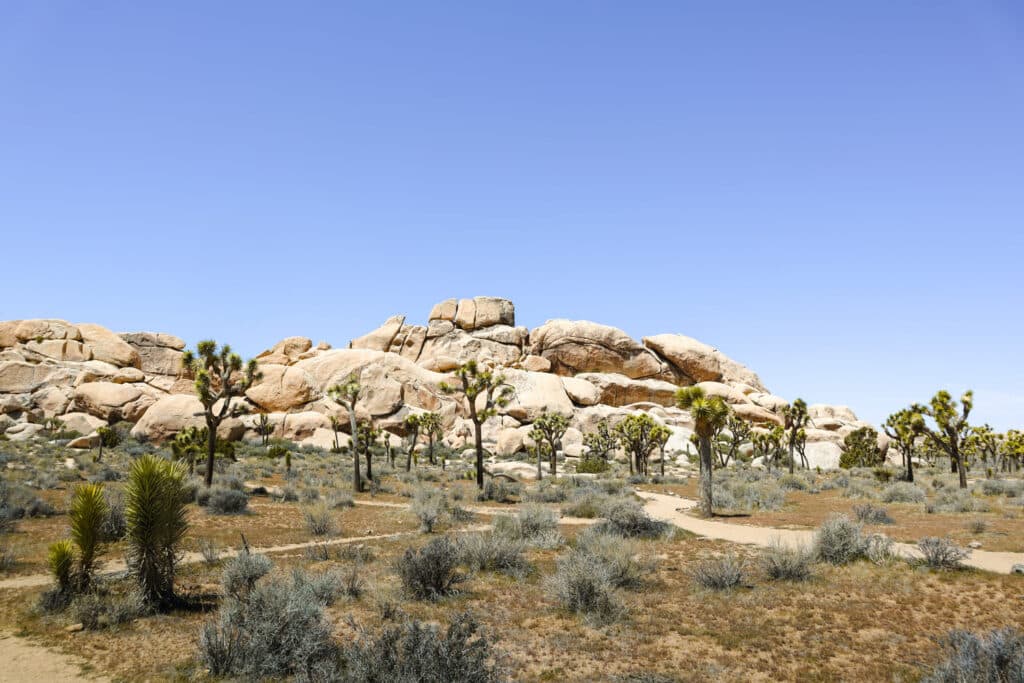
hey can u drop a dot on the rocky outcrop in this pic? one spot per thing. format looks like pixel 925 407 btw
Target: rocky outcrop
pixel 699 362
pixel 88 376
pixel 577 346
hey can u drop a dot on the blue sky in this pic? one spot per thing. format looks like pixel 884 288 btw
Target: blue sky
pixel 832 193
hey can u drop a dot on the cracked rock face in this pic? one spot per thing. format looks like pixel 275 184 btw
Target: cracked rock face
pixel 88 375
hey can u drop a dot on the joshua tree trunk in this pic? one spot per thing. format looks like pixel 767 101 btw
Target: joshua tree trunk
pixel 792 456
pixel 661 453
pixel 554 460
pixel 412 448
pixel 369 463
pixel 910 466
pixel 479 438
pixel 357 480
pixel 961 469
pixel 540 461
pixel 211 445
pixel 704 446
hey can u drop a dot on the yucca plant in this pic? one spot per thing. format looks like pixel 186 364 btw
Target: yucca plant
pixel 61 558
pixel 88 512
pixel 155 512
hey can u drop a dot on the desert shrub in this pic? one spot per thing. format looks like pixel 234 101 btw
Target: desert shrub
pixel 787 563
pixel 723 498
pixel 586 503
pixel 413 652
pixel 626 518
pixel 274 631
pixel 977 526
pixel 115 526
pixel 941 553
pixel 535 525
pixel 956 500
pixel 993 657
pixel 87 513
pixel 99 609
pixel 242 572
pixel 224 501
pixel 499 491
pixel 351 583
pixel 879 548
pixel 323 586
pixel 1001 487
pixel 341 499
pixel 583 584
pixel 210 551
pixel 592 466
pixel 871 514
pixel 858 489
pixel 320 521
pixel 431 572
pixel 839 540
pixel 793 482
pixel 719 573
pixel 156 520
pixel 903 492
pixel 619 555
pixel 493 552
pixel 8 558
pixel 545 492
pixel 428 504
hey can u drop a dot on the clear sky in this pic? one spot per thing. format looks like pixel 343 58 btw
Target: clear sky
pixel 831 193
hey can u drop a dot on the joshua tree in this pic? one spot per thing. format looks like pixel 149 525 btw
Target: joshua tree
pixel 634 433
pixel 769 444
pixel 187 445
pixel 368 435
pixel 984 442
pixel 157 522
pixel 602 443
pixel 951 427
pixel 264 428
pixel 220 376
pixel 347 394
pixel 548 429
pixel 1012 449
pixel 108 437
pixel 87 513
pixel 660 436
pixel 732 438
pixel 430 425
pixel 860 449
pixel 413 422
pixel 476 383
pixel 900 428
pixel 710 414
pixel 796 418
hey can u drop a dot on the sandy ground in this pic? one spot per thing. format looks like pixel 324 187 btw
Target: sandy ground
pixel 23 660
pixel 671 509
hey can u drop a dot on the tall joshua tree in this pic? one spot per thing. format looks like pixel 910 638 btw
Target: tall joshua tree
pixel 900 428
pixel 430 426
pixel 413 423
pixel 710 414
pixel 475 384
pixel 220 376
pixel 347 394
pixel 729 442
pixel 548 429
pixel 635 435
pixel 796 418
pixel 951 426
pixel 660 436
pixel 768 444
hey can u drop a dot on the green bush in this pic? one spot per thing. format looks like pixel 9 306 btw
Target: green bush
pixel 720 573
pixel 488 551
pixel 839 540
pixel 787 563
pixel 583 584
pixel 431 572
pixel 993 657
pixel 592 466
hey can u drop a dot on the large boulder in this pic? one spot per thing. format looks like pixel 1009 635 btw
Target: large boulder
pixel 821 411
pixel 381 338
pixel 728 393
pixel 21 378
pixel 535 394
pixel 577 346
pixel 408 343
pixel 619 390
pixel 57 349
pixel 159 353
pixel 43 329
pixel 699 362
pixel 108 400
pixel 447 351
pixel 471 314
pixel 582 392
pixel 286 351
pixel 168 416
pixel 109 347
pixel 282 388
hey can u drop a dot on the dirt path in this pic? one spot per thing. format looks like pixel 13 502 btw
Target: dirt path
pixel 671 509
pixel 24 660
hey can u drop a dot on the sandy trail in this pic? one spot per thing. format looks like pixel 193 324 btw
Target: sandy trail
pixel 671 509
pixel 24 660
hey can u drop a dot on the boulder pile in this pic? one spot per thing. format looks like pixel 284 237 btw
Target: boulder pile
pixel 88 376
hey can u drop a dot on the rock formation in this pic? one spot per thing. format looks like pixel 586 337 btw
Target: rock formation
pixel 89 376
